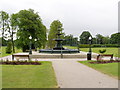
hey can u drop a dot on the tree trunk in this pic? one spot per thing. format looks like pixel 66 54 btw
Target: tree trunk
pixel 13 42
pixel 3 32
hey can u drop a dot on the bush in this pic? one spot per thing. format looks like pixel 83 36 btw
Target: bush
pixel 9 48
pixel 98 45
pixel 102 51
pixel 112 45
pixel 84 46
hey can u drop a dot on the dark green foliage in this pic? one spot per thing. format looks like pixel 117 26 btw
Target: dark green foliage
pixel 70 40
pixel 98 45
pixel 53 31
pixel 84 46
pixel 115 38
pixel 102 51
pixel 4 42
pixel 9 48
pixel 84 37
pixel 4 16
pixel 99 38
pixel 30 24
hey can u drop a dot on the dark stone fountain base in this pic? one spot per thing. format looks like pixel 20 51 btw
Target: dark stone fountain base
pixel 58 51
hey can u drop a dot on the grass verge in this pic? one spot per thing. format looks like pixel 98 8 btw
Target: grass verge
pixel 110 69
pixel 111 50
pixel 3 51
pixel 29 76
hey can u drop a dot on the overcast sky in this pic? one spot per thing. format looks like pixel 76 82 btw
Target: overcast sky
pixel 96 16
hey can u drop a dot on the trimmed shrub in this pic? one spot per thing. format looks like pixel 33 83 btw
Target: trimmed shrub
pixel 98 45
pixel 9 48
pixel 84 46
pixel 102 51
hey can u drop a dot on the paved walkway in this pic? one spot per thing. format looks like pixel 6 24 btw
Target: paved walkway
pixel 71 74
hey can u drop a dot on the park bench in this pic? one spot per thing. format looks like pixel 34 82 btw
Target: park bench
pixel 106 55
pixel 18 55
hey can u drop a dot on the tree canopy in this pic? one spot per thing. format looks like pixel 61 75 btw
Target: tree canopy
pixel 4 23
pixel 115 38
pixel 30 24
pixel 84 37
pixel 53 31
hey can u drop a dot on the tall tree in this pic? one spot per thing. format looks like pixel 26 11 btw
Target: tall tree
pixel 3 23
pixel 99 38
pixel 115 38
pixel 94 40
pixel 30 24
pixel 70 40
pixel 106 40
pixel 84 37
pixel 53 31
pixel 13 30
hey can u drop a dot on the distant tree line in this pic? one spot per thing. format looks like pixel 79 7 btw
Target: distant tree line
pixel 99 39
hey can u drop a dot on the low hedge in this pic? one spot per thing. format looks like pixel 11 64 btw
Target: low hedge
pixel 98 45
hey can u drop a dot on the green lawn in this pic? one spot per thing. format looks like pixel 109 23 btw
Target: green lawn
pixel 29 76
pixel 111 68
pixel 96 50
pixel 3 51
pixel 108 50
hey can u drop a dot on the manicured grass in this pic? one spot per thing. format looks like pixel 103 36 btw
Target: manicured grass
pixel 113 51
pixel 96 50
pixel 70 47
pixel 3 51
pixel 29 76
pixel 109 68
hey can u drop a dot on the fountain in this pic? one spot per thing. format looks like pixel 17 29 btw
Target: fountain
pixel 58 48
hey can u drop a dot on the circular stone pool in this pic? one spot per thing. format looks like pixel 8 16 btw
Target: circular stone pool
pixel 58 51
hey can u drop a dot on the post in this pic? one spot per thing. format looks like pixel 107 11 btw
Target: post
pixel 12 57
pixel 30 52
pixel 35 44
pixel 61 52
pixel 89 56
pixel 78 46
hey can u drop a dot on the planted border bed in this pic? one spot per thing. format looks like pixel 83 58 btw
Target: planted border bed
pixel 103 62
pixel 20 63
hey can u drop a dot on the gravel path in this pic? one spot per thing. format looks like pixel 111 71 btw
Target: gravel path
pixel 71 74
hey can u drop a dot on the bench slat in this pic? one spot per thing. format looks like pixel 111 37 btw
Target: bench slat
pixel 111 55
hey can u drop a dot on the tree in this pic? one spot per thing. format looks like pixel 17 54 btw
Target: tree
pixel 94 40
pixel 12 31
pixel 3 23
pixel 99 38
pixel 30 24
pixel 106 40
pixel 115 38
pixel 84 37
pixel 70 40
pixel 9 47
pixel 53 31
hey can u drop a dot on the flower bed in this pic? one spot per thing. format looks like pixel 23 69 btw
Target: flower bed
pixel 20 63
pixel 103 62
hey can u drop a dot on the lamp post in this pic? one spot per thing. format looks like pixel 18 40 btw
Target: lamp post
pixel 35 45
pixel 90 50
pixel 30 52
pixel 78 46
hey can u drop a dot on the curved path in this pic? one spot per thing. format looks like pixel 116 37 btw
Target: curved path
pixel 71 74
